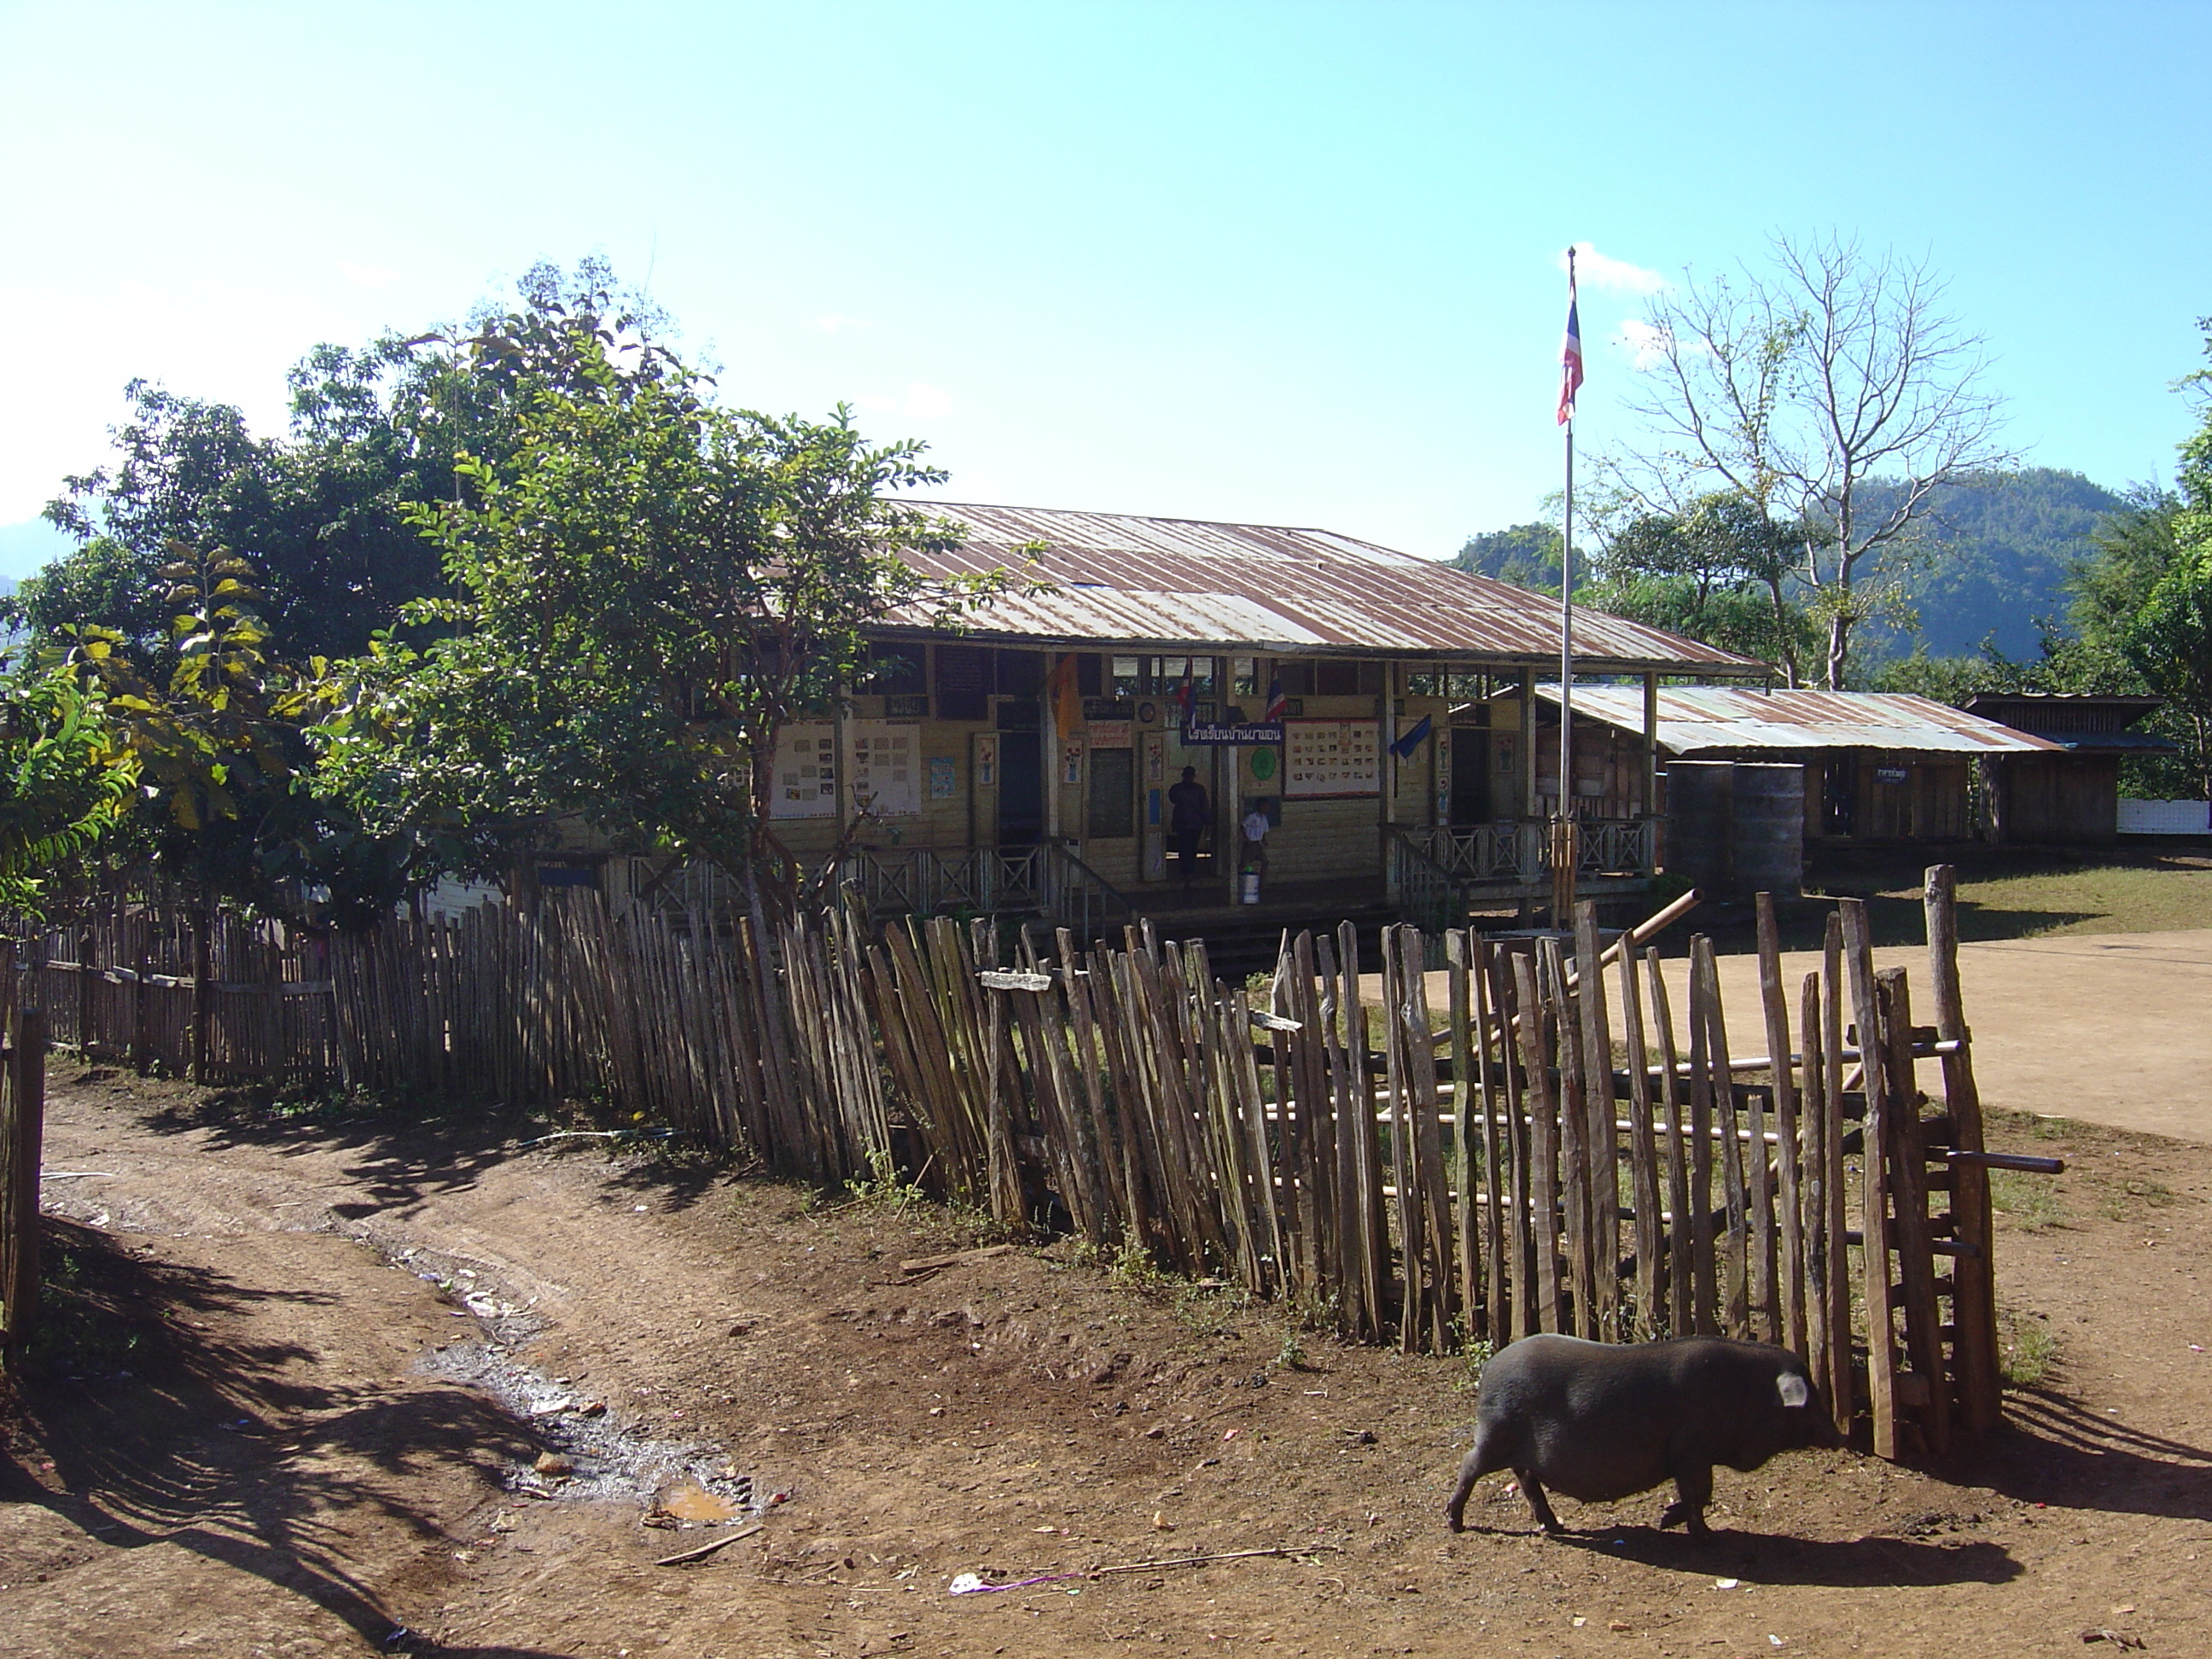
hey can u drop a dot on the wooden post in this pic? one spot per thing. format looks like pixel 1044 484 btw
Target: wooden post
pixel 1915 1261
pixel 88 943
pixel 22 1131
pixel 202 919
pixel 1602 1140
pixel 1789 1324
pixel 1973 1275
pixel 1873 1226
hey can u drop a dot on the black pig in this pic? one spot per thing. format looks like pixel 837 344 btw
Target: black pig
pixel 1600 1422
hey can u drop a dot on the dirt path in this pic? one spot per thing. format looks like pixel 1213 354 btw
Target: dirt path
pixel 248 1440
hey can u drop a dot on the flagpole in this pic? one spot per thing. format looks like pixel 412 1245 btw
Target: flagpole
pixel 1565 854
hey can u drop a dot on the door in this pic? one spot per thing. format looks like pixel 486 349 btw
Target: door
pixel 1021 790
pixel 1470 775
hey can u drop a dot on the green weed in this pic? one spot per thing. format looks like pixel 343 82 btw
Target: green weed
pixel 2029 1350
pixel 2029 1200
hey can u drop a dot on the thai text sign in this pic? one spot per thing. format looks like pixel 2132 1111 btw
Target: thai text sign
pixel 1222 734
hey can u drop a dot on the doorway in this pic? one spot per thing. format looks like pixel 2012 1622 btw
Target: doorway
pixel 1021 788
pixel 1470 775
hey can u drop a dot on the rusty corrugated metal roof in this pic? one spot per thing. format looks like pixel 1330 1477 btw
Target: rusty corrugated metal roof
pixel 1696 720
pixel 1181 583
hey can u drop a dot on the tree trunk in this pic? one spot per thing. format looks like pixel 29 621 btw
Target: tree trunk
pixel 1784 647
pixel 1839 650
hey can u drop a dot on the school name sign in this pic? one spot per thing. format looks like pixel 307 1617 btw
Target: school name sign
pixel 1242 733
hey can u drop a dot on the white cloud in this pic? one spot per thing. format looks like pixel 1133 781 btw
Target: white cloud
pixel 366 276
pixel 1602 271
pixel 832 322
pixel 1646 345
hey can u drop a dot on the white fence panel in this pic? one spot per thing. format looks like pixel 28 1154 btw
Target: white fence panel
pixel 2165 818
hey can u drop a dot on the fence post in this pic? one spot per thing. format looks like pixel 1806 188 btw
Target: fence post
pixel 1973 1275
pixel 203 919
pixel 23 1130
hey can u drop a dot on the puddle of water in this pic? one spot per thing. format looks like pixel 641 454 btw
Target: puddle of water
pixel 688 1501
pixel 612 1462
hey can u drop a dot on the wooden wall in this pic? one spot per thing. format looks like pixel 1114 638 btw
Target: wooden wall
pixel 2059 797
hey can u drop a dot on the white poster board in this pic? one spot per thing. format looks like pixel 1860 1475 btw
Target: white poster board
pixel 1325 759
pixel 805 771
pixel 883 765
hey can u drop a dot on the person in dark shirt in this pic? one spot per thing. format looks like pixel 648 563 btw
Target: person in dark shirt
pixel 1188 814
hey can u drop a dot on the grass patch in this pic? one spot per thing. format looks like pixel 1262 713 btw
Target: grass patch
pixel 2131 1197
pixel 2153 899
pixel 2027 1350
pixel 2029 1200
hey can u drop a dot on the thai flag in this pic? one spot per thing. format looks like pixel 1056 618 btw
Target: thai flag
pixel 1278 704
pixel 1186 699
pixel 1570 351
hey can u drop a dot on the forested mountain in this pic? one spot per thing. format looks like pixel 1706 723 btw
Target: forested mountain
pixel 1994 559
pixel 1990 561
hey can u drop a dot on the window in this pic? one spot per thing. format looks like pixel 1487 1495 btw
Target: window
pixel 1087 666
pixel 963 682
pixel 1021 673
pixel 893 671
pixel 1128 676
pixel 1296 674
pixel 1113 798
pixel 1244 677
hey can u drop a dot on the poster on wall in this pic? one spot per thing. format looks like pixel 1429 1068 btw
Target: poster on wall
pixel 805 771
pixel 884 766
pixel 1323 759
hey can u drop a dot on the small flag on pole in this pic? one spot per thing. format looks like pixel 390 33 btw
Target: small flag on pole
pixel 1187 698
pixel 1278 704
pixel 1570 350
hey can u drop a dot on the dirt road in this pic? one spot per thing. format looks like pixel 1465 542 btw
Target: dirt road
pixel 303 1369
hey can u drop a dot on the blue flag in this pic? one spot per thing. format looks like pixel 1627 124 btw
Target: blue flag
pixel 1414 738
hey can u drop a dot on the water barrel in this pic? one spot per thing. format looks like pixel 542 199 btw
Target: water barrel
pixel 1766 838
pixel 1698 793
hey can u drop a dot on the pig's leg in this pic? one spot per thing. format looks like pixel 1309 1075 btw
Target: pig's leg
pixel 1539 1505
pixel 1694 1490
pixel 1482 1459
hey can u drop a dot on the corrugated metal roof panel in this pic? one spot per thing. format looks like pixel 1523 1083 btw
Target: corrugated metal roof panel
pixel 1703 719
pixel 1121 580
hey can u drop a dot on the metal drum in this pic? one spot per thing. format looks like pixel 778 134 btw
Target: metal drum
pixel 1766 837
pixel 1698 793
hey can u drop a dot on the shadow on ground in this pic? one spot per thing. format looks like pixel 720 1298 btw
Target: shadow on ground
pixel 2056 1452
pixel 150 1429
pixel 1772 1559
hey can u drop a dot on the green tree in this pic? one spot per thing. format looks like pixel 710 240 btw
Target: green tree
pixel 1720 570
pixel 66 780
pixel 1527 555
pixel 2169 643
pixel 222 748
pixel 323 511
pixel 649 586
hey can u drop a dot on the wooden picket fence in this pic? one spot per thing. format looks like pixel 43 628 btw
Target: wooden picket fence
pixel 1532 1139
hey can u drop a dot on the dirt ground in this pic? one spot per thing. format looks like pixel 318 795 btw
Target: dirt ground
pixel 299 1371
pixel 2113 1029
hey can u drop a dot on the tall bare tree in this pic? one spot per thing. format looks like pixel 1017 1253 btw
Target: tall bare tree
pixel 1831 390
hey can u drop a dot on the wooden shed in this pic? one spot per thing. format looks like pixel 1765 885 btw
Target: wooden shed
pixel 2071 793
pixel 1879 767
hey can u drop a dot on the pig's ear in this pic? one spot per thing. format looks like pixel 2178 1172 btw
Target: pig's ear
pixel 1793 1389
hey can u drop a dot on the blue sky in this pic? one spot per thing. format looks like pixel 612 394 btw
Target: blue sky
pixel 1283 263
